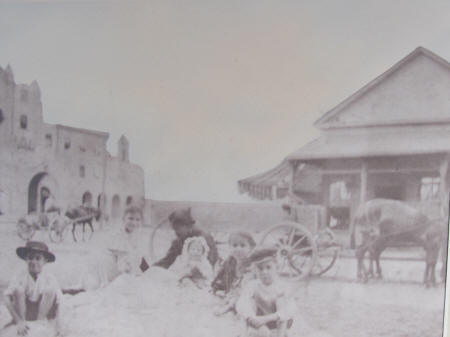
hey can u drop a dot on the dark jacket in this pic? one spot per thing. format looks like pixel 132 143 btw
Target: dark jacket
pixel 176 248
pixel 226 277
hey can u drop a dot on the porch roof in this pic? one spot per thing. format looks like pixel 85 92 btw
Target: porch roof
pixel 359 145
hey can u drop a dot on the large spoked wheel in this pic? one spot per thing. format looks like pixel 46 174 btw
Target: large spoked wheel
pixel 57 230
pixel 296 249
pixel 82 234
pixel 327 252
pixel 25 230
pixel 160 240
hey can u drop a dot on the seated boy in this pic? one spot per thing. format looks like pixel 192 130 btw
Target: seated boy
pixel 265 304
pixel 33 294
pixel 235 268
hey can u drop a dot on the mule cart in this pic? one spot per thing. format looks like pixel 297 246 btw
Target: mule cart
pixel 300 253
pixel 54 223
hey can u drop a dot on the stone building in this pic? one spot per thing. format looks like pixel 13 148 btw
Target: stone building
pixel 70 164
pixel 390 139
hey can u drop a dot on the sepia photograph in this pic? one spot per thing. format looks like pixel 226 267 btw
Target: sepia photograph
pixel 224 168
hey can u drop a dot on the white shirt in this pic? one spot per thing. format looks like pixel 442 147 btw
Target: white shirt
pixel 32 288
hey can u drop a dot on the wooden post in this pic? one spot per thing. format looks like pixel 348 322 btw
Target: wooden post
pixel 273 192
pixel 294 167
pixel 363 192
pixel 443 188
pixel 102 194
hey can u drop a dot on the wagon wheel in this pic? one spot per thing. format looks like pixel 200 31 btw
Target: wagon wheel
pixel 160 240
pixel 25 230
pixel 296 249
pixel 57 230
pixel 78 233
pixel 327 251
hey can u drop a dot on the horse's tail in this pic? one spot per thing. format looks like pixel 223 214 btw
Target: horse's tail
pixel 352 233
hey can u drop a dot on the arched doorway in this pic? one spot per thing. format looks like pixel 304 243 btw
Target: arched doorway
pixel 41 186
pixel 115 206
pixel 44 194
pixel 129 200
pixel 4 202
pixel 86 199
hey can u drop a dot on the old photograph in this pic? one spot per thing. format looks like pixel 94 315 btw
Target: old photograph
pixel 224 168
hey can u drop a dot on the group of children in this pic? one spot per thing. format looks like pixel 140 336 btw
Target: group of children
pixel 247 280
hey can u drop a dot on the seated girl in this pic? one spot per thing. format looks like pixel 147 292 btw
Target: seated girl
pixel 264 303
pixel 192 266
pixel 230 275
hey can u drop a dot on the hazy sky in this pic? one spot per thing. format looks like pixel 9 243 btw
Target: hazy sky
pixel 209 92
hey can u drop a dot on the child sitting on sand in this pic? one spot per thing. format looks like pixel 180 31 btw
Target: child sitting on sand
pixel 192 265
pixel 33 294
pixel 128 247
pixel 230 275
pixel 264 303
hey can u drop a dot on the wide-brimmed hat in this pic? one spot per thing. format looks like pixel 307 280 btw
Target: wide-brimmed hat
pixel 262 254
pixel 35 247
pixel 181 217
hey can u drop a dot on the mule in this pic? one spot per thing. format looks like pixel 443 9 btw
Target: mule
pixel 82 215
pixel 385 223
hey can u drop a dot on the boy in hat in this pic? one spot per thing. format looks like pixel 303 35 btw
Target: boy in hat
pixel 265 304
pixel 183 226
pixel 33 294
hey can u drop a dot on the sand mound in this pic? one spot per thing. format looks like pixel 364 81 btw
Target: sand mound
pixel 149 305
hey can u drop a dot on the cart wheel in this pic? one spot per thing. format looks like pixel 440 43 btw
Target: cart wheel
pixel 80 236
pixel 25 230
pixel 57 230
pixel 160 240
pixel 296 249
pixel 327 252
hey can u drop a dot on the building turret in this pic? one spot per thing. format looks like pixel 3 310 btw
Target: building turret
pixel 123 149
pixel 9 73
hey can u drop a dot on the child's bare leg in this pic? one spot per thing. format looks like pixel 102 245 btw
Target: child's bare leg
pixel 245 329
pixel 47 303
pixel 264 331
pixel 282 329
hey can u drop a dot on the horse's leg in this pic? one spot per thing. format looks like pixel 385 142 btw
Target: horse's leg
pixel 377 261
pixel 73 232
pixel 92 227
pixel 425 274
pixel 371 261
pixel 361 268
pixel 84 229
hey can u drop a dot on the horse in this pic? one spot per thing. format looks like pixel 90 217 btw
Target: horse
pixel 82 215
pixel 387 222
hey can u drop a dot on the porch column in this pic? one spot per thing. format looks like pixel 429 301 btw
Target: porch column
pixel 443 188
pixel 363 192
pixel 273 192
pixel 294 167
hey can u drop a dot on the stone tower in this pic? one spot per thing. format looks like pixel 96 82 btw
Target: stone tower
pixel 123 149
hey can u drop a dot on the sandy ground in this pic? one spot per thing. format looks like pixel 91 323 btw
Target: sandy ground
pixel 152 305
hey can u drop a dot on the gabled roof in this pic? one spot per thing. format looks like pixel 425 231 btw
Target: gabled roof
pixel 416 90
pixel 374 144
